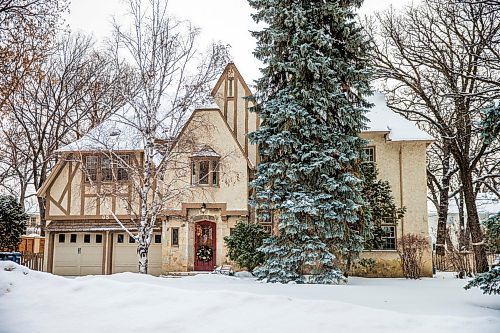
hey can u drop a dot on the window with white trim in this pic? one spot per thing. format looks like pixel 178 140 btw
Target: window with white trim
pixel 91 163
pixel 369 153
pixel 389 237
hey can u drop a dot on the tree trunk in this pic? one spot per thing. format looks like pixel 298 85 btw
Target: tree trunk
pixel 443 202
pixel 41 209
pixel 142 252
pixel 464 231
pixel 473 222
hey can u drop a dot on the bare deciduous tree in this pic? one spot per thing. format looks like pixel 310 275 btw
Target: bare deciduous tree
pixel 173 79
pixel 27 30
pixel 440 62
pixel 75 88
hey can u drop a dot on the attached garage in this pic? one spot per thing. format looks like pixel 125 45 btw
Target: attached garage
pixel 78 254
pixel 124 254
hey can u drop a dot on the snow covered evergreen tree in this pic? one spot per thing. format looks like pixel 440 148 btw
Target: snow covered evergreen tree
pixel 311 105
pixel 12 223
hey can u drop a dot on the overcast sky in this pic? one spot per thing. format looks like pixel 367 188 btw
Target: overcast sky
pixel 227 21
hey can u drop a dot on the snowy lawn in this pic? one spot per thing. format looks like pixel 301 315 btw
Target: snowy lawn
pixel 40 302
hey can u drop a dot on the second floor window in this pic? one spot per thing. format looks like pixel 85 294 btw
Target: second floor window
pixel 107 169
pixel 369 154
pixel 91 168
pixel 122 167
pixel 205 172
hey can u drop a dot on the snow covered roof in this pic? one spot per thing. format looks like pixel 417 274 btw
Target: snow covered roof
pixel 119 135
pixel 110 135
pixel 205 151
pixel 382 119
pixel 486 203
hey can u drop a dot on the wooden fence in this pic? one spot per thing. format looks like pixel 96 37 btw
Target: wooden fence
pixel 459 262
pixel 33 261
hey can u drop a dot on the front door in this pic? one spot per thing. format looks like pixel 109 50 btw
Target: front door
pixel 204 246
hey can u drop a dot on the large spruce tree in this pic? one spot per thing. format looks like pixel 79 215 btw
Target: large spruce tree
pixel 310 101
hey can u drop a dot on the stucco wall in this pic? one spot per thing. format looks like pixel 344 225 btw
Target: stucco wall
pixel 181 258
pixel 233 167
pixel 403 164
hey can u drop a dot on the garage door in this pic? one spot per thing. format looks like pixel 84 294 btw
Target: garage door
pixel 125 254
pixel 78 254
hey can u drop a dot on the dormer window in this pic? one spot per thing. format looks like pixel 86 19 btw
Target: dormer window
pixel 205 167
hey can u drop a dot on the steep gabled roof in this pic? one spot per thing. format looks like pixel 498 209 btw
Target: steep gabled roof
pixel 52 176
pixel 217 110
pixel 230 66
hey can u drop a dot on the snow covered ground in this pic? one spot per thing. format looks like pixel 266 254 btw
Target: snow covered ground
pixel 40 302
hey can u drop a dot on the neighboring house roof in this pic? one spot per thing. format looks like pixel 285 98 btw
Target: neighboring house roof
pixel 382 119
pixel 487 203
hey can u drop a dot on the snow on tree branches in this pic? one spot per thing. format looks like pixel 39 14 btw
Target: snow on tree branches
pixel 310 100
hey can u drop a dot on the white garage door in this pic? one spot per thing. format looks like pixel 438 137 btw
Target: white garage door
pixel 125 254
pixel 78 254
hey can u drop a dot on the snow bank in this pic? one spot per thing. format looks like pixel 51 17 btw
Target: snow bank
pixel 40 302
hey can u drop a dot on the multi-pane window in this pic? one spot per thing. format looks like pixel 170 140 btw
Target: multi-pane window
pixel 121 171
pixel 369 154
pixel 119 238
pixel 389 237
pixel 194 169
pixel 268 228
pixel 106 169
pixel 205 172
pixel 91 168
pixel 215 172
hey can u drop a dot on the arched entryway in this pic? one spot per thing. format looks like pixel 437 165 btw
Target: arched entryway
pixel 205 247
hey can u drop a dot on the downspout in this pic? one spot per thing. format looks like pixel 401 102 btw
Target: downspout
pixel 401 185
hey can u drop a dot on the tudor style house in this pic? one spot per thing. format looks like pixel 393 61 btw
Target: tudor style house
pixel 83 238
